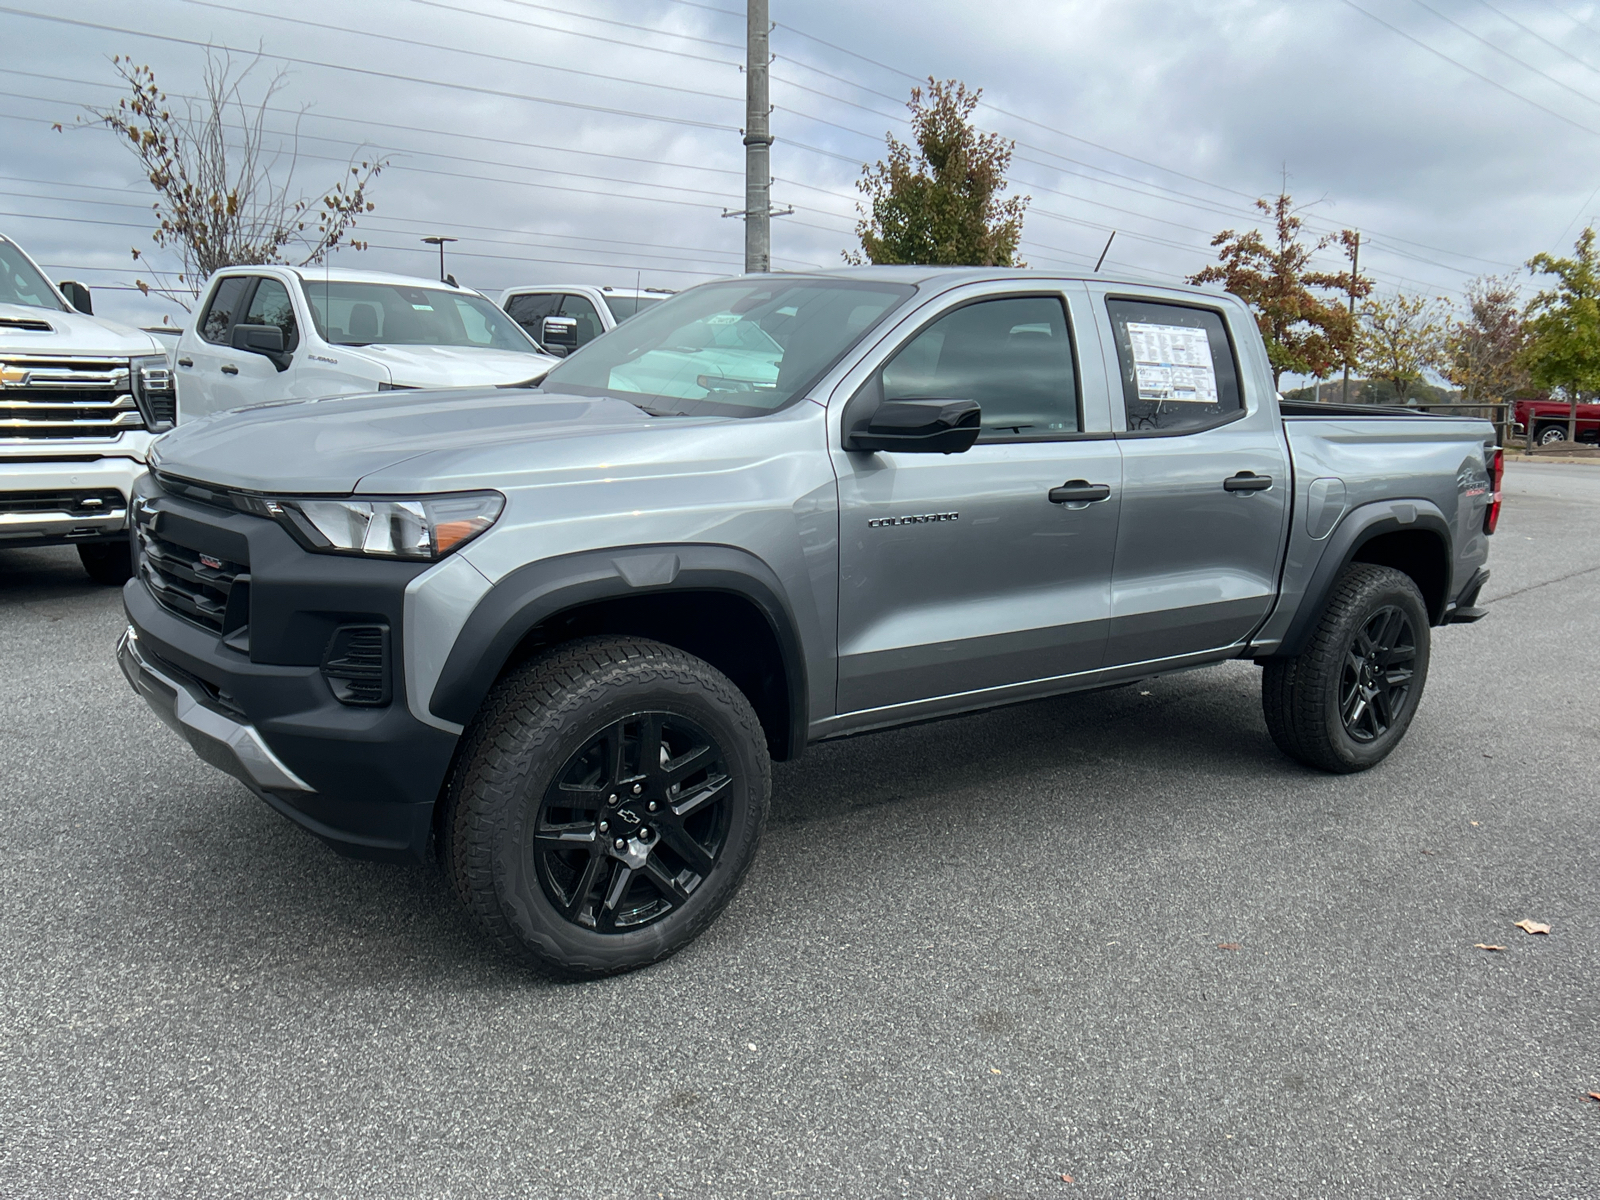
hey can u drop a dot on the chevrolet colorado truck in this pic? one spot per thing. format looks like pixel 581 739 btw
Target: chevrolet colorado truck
pixel 561 633
pixel 81 398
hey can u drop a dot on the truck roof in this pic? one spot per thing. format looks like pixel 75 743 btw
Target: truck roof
pixel 348 275
pixel 630 292
pixel 954 276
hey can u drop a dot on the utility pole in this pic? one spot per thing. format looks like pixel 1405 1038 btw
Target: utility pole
pixel 1355 271
pixel 757 141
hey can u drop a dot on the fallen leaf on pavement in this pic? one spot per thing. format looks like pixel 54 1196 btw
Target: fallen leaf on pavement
pixel 1482 946
pixel 994 1070
pixel 1471 822
pixel 1595 1096
pixel 1227 945
pixel 1532 926
pixel 1068 1178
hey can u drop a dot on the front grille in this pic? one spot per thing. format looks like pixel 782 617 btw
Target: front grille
pixel 210 591
pixel 66 398
pixel 80 502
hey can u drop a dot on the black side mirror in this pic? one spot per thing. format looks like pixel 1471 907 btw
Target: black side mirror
pixel 77 295
pixel 559 335
pixel 919 426
pixel 265 340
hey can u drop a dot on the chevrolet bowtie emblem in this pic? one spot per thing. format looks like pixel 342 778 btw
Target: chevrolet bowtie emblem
pixel 13 375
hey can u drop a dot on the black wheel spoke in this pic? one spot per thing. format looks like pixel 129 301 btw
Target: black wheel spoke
pixel 575 835
pixel 585 884
pixel 678 769
pixel 682 843
pixel 669 887
pixel 698 798
pixel 1375 679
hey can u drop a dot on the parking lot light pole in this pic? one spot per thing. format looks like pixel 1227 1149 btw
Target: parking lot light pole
pixel 757 141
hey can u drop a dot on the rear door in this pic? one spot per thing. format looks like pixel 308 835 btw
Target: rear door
pixel 958 573
pixel 1205 478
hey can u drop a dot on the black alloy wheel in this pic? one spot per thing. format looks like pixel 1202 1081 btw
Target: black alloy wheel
pixel 633 823
pixel 1376 683
pixel 607 801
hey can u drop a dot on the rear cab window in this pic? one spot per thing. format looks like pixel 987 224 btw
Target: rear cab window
pixel 1179 373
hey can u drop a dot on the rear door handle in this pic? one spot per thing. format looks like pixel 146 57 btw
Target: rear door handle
pixel 1247 481
pixel 186 362
pixel 230 369
pixel 1079 490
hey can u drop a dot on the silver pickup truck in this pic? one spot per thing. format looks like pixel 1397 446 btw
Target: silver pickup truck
pixel 561 633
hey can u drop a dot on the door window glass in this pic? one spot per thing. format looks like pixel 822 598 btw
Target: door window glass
pixel 582 309
pixel 1013 356
pixel 531 308
pixel 218 320
pixel 271 306
pixel 1177 366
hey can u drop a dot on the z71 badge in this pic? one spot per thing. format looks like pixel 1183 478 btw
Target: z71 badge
pixel 923 519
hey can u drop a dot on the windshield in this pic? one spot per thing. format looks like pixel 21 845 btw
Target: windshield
pixel 740 348
pixel 359 314
pixel 21 283
pixel 623 307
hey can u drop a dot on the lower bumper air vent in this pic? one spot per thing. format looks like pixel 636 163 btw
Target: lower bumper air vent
pixel 357 665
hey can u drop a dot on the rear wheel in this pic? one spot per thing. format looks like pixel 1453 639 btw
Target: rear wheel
pixel 110 563
pixel 1551 434
pixel 609 799
pixel 1346 701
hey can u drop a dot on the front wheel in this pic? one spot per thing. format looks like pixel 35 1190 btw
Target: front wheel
pixel 1346 701
pixel 110 563
pixel 609 799
pixel 1551 434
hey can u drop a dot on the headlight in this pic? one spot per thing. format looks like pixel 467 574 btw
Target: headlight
pixel 413 527
pixel 153 392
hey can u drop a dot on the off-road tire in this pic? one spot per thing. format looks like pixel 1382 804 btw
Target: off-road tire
pixel 530 726
pixel 1300 696
pixel 110 563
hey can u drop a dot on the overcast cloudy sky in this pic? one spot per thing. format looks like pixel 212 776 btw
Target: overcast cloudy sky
pixel 598 140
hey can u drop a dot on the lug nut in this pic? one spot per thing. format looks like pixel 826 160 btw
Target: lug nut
pixel 644 833
pixel 604 827
pixel 620 843
pixel 637 788
pixel 652 806
pixel 611 799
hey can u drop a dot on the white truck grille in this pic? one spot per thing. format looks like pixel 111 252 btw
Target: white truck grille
pixel 43 398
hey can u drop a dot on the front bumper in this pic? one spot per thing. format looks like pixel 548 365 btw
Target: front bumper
pixel 65 523
pixel 257 704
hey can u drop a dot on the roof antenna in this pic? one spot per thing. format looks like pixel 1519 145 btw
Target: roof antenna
pixel 1104 252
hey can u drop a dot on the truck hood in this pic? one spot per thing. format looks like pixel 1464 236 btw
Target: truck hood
pixel 305 447
pixel 451 366
pixel 71 333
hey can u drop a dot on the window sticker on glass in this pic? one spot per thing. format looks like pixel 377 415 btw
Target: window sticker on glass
pixel 1172 362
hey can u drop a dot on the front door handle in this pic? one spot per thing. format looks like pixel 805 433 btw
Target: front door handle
pixel 186 362
pixel 1078 491
pixel 1247 481
pixel 230 369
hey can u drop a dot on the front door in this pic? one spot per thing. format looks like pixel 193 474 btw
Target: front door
pixel 1205 483
pixel 958 572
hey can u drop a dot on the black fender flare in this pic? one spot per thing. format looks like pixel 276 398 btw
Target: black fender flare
pixel 1360 526
pixel 538 591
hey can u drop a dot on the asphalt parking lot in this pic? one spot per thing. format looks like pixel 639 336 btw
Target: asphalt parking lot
pixel 972 957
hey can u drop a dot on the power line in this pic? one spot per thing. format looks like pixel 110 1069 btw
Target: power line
pixel 1504 53
pixel 367 71
pixel 1532 32
pixel 1471 71
pixel 623 24
pixel 389 37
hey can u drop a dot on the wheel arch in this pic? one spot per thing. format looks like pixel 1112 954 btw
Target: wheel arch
pixel 719 603
pixel 1412 536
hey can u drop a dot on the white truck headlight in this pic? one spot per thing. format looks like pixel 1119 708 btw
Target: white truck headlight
pixel 414 527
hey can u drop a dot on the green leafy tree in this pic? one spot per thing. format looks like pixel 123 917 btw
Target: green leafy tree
pixel 943 205
pixel 225 193
pixel 1401 341
pixel 1304 315
pixel 1563 349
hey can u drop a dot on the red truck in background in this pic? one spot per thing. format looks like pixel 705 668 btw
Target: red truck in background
pixel 1549 419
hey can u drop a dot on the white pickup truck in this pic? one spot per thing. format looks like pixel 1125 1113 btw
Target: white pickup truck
pixel 562 317
pixel 81 399
pixel 266 333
